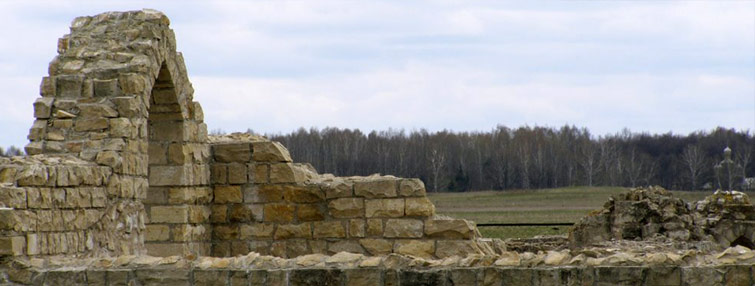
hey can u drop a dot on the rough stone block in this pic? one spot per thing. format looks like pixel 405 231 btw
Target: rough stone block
pixel 310 212
pixel 219 174
pixel 225 232
pixel 374 227
pixel 329 229
pixel 346 207
pixel 228 194
pixel 12 245
pixel 259 173
pixel 286 231
pixel 218 213
pixel 211 277
pixel 364 277
pixel 303 194
pixel 13 197
pixel 157 232
pixel 403 228
pixel 256 230
pixel 420 206
pixel 450 229
pixel 270 151
pixel 163 276
pixel 664 276
pixel 264 194
pixel 170 175
pixel 106 88
pixel 338 189
pixel 96 110
pixel 377 247
pixel 461 248
pixel 282 213
pixel 619 275
pixel 344 245
pixel 81 125
pixel 384 208
pixel 288 173
pixel 412 188
pixel 302 277
pixel 69 86
pixel 462 276
pixel 47 87
pixel 245 213
pixel 419 248
pixel 237 152
pixel 199 214
pixel 376 187
pixel 43 107
pixel 237 173
pixel 357 228
pixel 417 277
pixel 169 214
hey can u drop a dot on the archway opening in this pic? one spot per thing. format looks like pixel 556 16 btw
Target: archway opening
pixel 743 241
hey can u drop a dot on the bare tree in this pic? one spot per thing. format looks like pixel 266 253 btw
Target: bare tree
pixel 694 162
pixel 588 161
pixel 437 162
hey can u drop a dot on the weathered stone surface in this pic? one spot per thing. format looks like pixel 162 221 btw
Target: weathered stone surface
pixel 256 230
pixel 377 247
pixel 338 189
pixel 344 245
pixel 376 187
pixel 306 194
pixel 461 248
pixel 384 208
pixel 357 228
pixel 329 229
pixel 310 212
pixel 374 227
pixel 346 207
pixel 169 214
pixel 403 228
pixel 270 151
pixel 228 194
pixel 421 206
pixel 281 213
pixel 43 107
pixel 450 229
pixel 290 173
pixel 411 188
pixel 226 153
pixel 413 247
pixel 285 231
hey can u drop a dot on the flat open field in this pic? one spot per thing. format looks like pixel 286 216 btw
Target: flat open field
pixel 531 206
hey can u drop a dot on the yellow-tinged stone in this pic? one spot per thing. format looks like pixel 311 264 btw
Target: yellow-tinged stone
pixel 329 229
pixel 376 187
pixel 157 232
pixel 228 194
pixel 449 229
pixel 411 188
pixel 346 207
pixel 413 247
pixel 357 227
pixel 169 214
pixel 384 208
pixel 282 213
pixel 256 230
pixel 374 227
pixel 403 228
pixel 377 246
pixel 286 231
pixel 421 206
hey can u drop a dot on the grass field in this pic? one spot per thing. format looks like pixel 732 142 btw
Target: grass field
pixel 531 206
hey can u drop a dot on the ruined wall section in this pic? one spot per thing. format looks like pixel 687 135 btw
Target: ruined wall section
pixel 263 202
pixel 117 97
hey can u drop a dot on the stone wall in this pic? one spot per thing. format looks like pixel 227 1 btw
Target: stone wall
pixel 265 203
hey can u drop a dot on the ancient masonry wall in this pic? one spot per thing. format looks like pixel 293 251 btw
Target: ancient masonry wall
pixel 122 165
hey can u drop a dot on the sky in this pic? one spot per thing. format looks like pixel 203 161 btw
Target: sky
pixel 275 66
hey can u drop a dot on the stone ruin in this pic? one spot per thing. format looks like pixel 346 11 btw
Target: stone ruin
pixel 123 186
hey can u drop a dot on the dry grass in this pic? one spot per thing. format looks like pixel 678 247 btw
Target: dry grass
pixel 531 206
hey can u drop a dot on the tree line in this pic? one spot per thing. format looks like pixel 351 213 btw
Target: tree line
pixel 528 157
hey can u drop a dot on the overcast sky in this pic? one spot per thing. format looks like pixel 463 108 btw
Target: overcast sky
pixel 274 66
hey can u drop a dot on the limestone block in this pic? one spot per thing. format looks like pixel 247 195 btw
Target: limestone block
pixel 157 232
pixel 237 173
pixel 270 151
pixel 78 197
pixel 411 188
pixel 225 232
pixel 106 88
pixel 403 228
pixel 162 277
pixel 58 197
pixel 219 213
pixel 329 229
pixel 420 206
pixel 310 212
pixel 111 159
pixel 264 194
pixel 12 245
pixel 32 244
pixel 122 127
pixel 219 174
pixel 43 107
pixel 377 247
pixel 188 232
pixel 346 207
pixel 127 106
pixel 182 195
pixel 13 197
pixel 245 213
pixel 461 248
pixel 413 247
pixel 81 125
pixel 364 277
pixel 450 229
pixel 290 173
pixel 356 228
pixel 96 110
pixel 259 173
pixel 338 189
pixel 8 174
pixel 169 214
pixel 256 230
pixel 99 197
pixel 34 148
pixel 236 152
pixel 69 85
pixel 303 194
pixel 32 175
pixel 38 130
pixel 47 87
pixel 132 83
pixel 170 175
pixel 282 213
pixel 199 214
pixel 376 187
pixel 227 194
pixel 286 231
pixel 374 227
pixel 318 246
pixel 211 277
pixel 157 154
pixel 384 208
pixel 352 246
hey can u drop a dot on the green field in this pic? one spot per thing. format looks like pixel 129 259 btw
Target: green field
pixel 531 206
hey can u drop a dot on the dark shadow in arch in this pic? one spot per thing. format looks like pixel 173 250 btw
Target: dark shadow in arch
pixel 743 241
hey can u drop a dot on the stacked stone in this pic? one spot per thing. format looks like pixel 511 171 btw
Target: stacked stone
pixel 49 206
pixel 265 203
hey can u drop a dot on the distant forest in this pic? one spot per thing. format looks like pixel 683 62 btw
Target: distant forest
pixel 529 157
